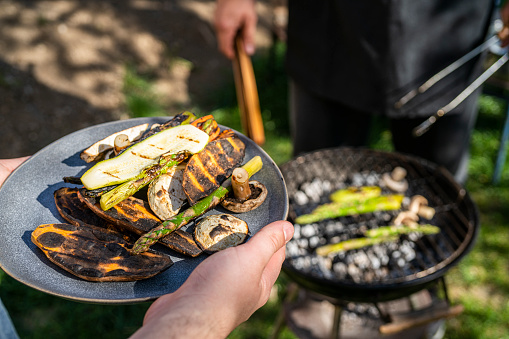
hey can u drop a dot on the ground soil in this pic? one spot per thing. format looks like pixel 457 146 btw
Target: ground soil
pixel 62 63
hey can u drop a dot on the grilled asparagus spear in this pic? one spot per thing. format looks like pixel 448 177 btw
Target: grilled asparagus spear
pixel 355 194
pixel 352 244
pixel 384 231
pixel 202 206
pixel 376 236
pixel 336 210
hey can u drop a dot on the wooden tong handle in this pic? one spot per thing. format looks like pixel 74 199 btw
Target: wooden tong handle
pixel 247 94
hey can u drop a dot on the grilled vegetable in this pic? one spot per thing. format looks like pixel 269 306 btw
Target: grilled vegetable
pixel 253 201
pixel 202 206
pixel 75 211
pixel 96 254
pixel 166 195
pixel 133 216
pixel 352 244
pixel 125 190
pixel 355 194
pixel 376 236
pixel 220 231
pixel 385 231
pixel 97 150
pixel 129 164
pixel 336 210
pixel 206 170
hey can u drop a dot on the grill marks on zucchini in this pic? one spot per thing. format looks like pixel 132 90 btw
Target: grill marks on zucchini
pixel 206 170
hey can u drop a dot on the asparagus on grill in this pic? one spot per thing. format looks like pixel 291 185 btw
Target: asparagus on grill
pixel 202 206
pixel 376 236
pixel 336 210
pixel 355 194
pixel 384 231
pixel 352 244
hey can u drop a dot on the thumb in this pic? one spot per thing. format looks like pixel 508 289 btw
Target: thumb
pixel 270 239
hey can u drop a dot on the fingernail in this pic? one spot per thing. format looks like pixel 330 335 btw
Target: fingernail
pixel 288 232
pixel 249 49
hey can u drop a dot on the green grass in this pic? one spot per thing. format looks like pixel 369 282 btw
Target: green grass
pixel 480 282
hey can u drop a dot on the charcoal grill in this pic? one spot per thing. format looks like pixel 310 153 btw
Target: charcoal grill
pixel 331 169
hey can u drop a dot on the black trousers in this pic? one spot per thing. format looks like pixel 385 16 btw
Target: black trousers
pixel 318 123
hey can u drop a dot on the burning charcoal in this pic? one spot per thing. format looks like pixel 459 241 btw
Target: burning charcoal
pixel 358 179
pixel 325 267
pixel 372 179
pixel 296 232
pixel 314 242
pixel 354 272
pixel 292 249
pixel 340 269
pixel 333 228
pixel 301 198
pixel 375 262
pixel 303 243
pixel 361 260
pixel 315 189
pixel 308 231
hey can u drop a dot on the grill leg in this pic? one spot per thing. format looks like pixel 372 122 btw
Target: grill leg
pixel 291 293
pixel 336 324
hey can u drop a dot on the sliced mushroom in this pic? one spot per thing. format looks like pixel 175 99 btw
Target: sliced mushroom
pixel 257 197
pixel 166 195
pixel 220 231
pixel 97 150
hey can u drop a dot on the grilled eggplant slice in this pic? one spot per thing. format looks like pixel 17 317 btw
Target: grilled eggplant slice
pixel 182 138
pixel 220 231
pixel 96 254
pixel 133 216
pixel 75 211
pixel 206 170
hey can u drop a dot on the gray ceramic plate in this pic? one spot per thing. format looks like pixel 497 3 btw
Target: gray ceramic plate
pixel 27 202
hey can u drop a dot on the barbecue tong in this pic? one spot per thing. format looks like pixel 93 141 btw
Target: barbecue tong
pixel 426 125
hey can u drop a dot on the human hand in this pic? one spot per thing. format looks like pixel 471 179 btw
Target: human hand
pixel 232 16
pixel 223 291
pixel 9 165
pixel 504 32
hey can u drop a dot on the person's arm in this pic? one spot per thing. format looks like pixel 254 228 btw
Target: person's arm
pixel 223 291
pixel 9 165
pixel 232 16
pixel 504 16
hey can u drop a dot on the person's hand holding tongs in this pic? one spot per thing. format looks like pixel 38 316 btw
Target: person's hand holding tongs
pixel 502 38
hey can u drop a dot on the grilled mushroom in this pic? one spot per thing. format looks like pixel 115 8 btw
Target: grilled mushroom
pixel 220 231
pixel 408 218
pixel 256 198
pixel 166 195
pixel 419 205
pixel 97 150
pixel 395 180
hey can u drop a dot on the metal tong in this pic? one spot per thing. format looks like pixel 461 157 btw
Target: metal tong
pixel 426 125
